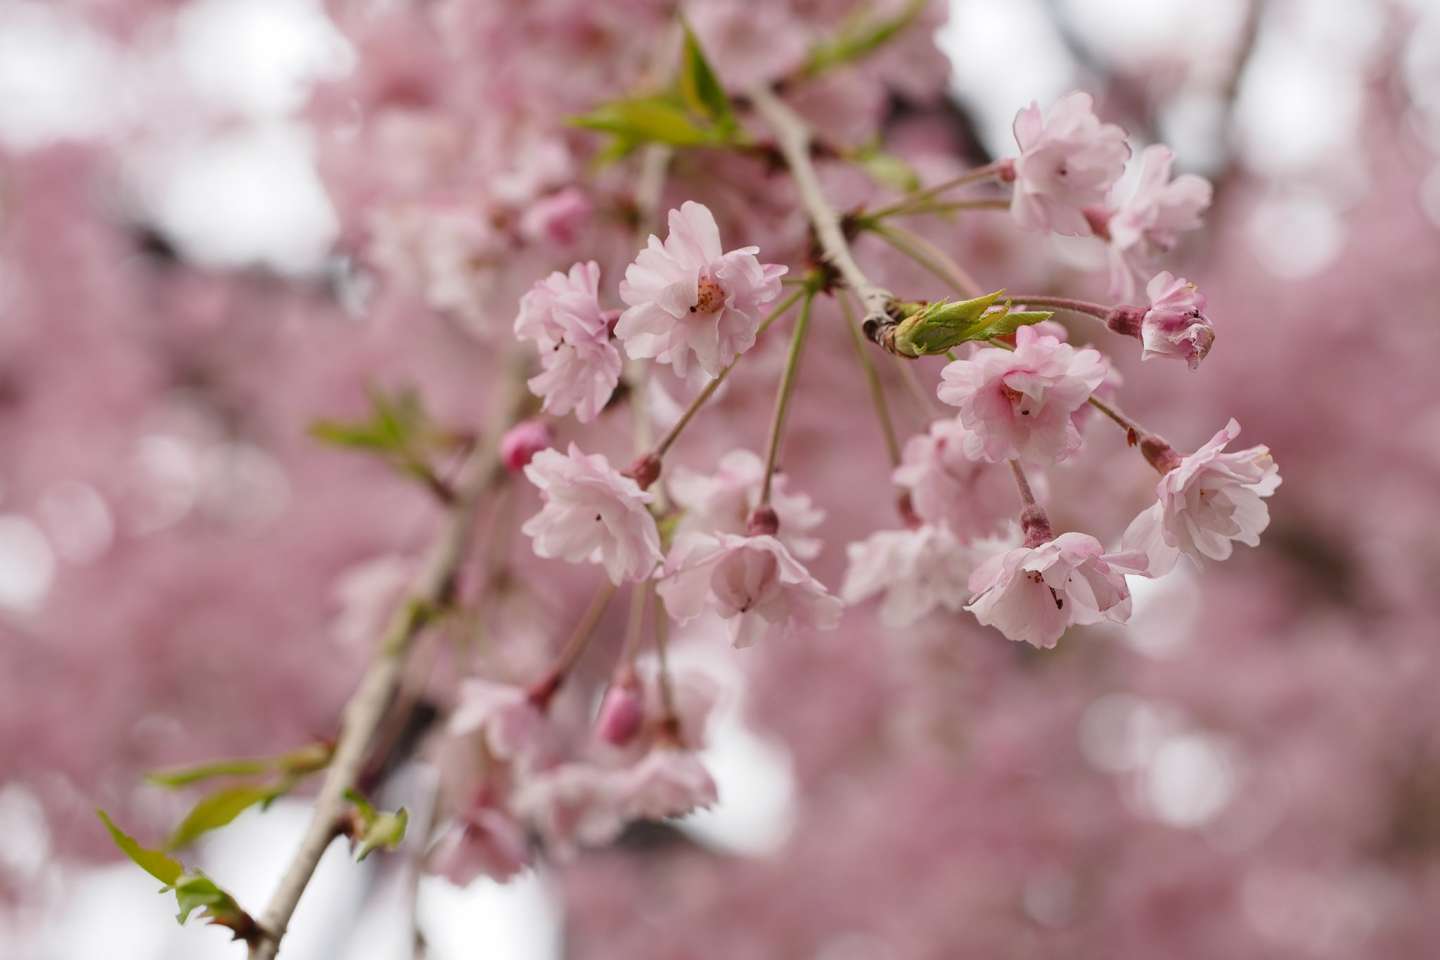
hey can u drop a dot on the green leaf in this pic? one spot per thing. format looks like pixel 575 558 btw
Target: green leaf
pixel 157 863
pixel 935 328
pixel 648 120
pixel 195 891
pixel 217 809
pixel 395 424
pixel 302 761
pixel 701 89
pixel 386 830
pixel 859 38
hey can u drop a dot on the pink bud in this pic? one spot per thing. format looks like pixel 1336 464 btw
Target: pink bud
pixel 558 218
pixel 644 471
pixel 764 522
pixel 523 441
pixel 621 712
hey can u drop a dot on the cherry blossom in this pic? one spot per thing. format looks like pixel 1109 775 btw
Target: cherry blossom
pixel 946 486
pixel 1018 404
pixel 562 316
pixel 592 514
pixel 1174 326
pixel 521 442
pixel 1068 161
pixel 1210 500
pixel 918 571
pixel 1032 594
pixel 1150 221
pixel 484 842
pixel 506 716
pixel 754 583
pixel 721 502
pixel 688 298
pixel 668 782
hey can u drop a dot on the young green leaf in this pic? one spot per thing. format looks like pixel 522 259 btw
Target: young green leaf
pixel 300 761
pixel 218 809
pixel 859 38
pixel 157 863
pixel 647 120
pixel 701 89
pixel 386 830
pixel 887 169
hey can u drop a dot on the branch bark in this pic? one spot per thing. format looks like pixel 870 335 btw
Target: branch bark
pixel 792 137
pixel 433 589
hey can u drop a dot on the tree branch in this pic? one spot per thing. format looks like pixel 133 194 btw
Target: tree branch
pixel 433 589
pixel 792 137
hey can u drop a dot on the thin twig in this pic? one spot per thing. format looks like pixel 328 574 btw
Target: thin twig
pixel 929 256
pixel 782 396
pixel 792 137
pixel 872 378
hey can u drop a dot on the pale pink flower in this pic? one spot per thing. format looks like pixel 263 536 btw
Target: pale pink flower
pixel 1018 404
pixel 667 782
pixel 368 594
pixel 918 571
pixel 722 502
pixel 592 514
pixel 1211 499
pixel 487 842
pixel 1150 222
pixel 574 805
pixel 752 582
pixel 948 487
pixel 1031 594
pixel 562 316
pixel 1068 161
pixel 506 716
pixel 1174 326
pixel 557 218
pixel 687 297
pixel 749 43
pixel 522 441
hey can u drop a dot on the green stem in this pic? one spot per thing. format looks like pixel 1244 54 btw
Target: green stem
pixel 930 193
pixel 705 394
pixel 782 397
pixel 1065 303
pixel 929 256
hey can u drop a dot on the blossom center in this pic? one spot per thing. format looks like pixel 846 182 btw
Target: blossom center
pixel 709 295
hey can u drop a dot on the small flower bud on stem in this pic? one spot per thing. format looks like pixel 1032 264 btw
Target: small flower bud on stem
pixel 1159 454
pixel 764 522
pixel 644 471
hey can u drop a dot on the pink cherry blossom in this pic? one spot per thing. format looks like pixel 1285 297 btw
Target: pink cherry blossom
pixel 573 805
pixel 948 487
pixel 1068 161
pixel 689 298
pixel 1210 500
pixel 506 716
pixel 580 366
pixel 557 218
pixel 522 441
pixel 668 782
pixel 1150 222
pixel 1018 404
pixel 752 582
pixel 721 502
pixel 1174 326
pixel 622 710
pixel 485 842
pixel 1032 594
pixel 592 514
pixel 918 571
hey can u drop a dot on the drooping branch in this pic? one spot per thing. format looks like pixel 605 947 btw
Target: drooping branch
pixel 792 137
pixel 433 589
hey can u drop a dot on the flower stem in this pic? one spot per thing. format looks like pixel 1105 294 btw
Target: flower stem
pixel 929 256
pixel 872 378
pixel 705 394
pixel 995 169
pixel 1033 519
pixel 1099 311
pixel 579 640
pixel 635 628
pixel 782 396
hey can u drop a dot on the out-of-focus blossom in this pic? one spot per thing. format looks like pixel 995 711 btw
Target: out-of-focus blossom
pixel 557 218
pixel 1211 499
pixel 1150 222
pixel 506 716
pixel 622 710
pixel 574 805
pixel 561 315
pixel 1175 325
pixel 1032 594
pixel 918 571
pixel 1018 404
pixel 687 297
pixel 485 842
pixel 749 43
pixel 368 594
pixel 754 583
pixel 522 441
pixel 668 782
pixel 1068 161
pixel 592 514
pixel 721 502
pixel 948 486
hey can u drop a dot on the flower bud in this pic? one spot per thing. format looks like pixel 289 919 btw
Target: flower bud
pixel 522 441
pixel 764 522
pixel 622 711
pixel 644 471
